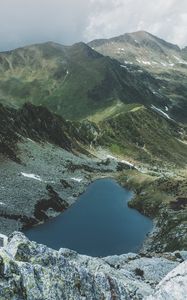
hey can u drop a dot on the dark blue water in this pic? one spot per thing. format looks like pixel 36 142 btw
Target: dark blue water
pixel 100 223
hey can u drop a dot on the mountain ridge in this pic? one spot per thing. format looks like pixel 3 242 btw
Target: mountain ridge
pixel 141 34
pixel 55 76
pixel 133 134
pixel 165 62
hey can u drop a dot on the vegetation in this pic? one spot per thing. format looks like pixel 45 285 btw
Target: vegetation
pixel 153 197
pixel 76 82
pixel 160 64
pixel 143 135
pixel 108 106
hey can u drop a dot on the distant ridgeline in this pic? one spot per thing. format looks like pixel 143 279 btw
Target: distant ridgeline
pixel 77 81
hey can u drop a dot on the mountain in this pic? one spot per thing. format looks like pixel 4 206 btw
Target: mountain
pixel 47 162
pixel 38 124
pixel 140 48
pixel 144 135
pixel 42 157
pixel 73 81
pixel 124 122
pixel 164 61
pixel 128 131
pixel 80 80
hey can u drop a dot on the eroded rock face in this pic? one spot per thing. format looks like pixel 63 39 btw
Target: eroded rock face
pixel 173 286
pixel 34 272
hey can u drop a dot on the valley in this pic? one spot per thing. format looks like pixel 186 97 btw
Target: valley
pixel 50 162
pixel 73 115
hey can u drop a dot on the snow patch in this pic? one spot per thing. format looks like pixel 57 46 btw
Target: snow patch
pixel 76 179
pixel 179 60
pixel 127 163
pixel 151 63
pixel 32 176
pixel 123 66
pixel 30 140
pixel 163 64
pixel 146 62
pixel 128 62
pixel 161 111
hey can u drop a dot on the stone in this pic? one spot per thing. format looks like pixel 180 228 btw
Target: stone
pixel 173 286
pixel 35 272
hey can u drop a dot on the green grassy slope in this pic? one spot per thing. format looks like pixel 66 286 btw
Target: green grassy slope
pixel 145 136
pixel 73 81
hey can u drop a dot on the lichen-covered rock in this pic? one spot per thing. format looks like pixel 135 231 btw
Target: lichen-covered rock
pixel 173 286
pixel 35 272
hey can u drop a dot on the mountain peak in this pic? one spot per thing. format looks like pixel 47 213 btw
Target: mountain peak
pixel 141 33
pixel 141 37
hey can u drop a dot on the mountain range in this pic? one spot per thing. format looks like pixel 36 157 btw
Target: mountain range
pixel 142 52
pixel 77 81
pixel 113 107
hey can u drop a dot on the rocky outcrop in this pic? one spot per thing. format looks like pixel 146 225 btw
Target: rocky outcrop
pixel 35 272
pixel 173 286
pixel 45 165
pixel 39 124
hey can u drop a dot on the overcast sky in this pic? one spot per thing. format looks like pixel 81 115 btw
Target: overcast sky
pixel 68 21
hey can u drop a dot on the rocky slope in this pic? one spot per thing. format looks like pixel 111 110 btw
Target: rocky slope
pixel 35 272
pixel 44 165
pixel 46 162
pixel 147 56
pixel 161 195
pixel 141 48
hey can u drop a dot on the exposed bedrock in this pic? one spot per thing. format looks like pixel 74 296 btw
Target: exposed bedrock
pixel 34 272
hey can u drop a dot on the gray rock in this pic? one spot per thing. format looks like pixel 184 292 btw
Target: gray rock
pixel 43 165
pixel 173 286
pixel 35 272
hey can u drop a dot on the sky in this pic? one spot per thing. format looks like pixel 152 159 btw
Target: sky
pixel 25 22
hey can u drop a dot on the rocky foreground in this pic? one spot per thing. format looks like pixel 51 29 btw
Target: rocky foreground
pixel 34 272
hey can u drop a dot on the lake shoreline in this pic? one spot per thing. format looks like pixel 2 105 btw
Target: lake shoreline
pixel 120 225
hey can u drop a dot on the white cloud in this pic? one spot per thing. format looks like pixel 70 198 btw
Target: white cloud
pixel 68 21
pixel 167 19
